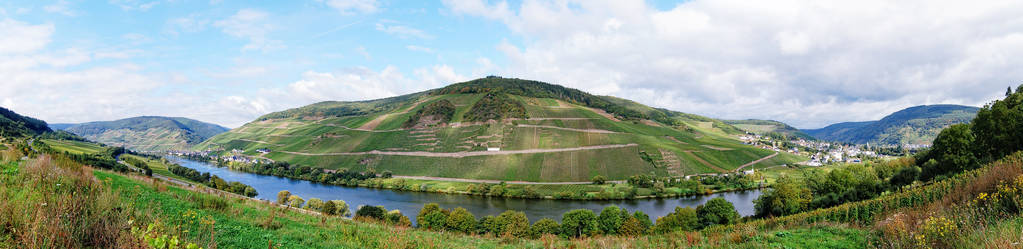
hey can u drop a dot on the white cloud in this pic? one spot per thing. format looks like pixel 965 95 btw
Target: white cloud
pixel 134 4
pixel 188 24
pixel 60 7
pixel 420 49
pixel 350 7
pixel 806 63
pixel 253 25
pixel 20 37
pixel 403 32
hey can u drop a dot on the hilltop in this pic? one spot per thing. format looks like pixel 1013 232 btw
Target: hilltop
pixel 148 133
pixel 770 128
pixel 914 125
pixel 497 129
pixel 14 125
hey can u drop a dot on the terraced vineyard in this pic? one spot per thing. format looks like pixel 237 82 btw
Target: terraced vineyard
pixel 563 138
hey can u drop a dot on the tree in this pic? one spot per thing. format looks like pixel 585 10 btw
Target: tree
pixel 295 201
pixel 610 219
pixel 513 223
pixel 329 208
pixel 644 219
pixel 394 217
pixel 717 211
pixel 283 197
pixel 905 176
pixel 386 174
pixel 953 149
pixel 599 180
pixel 998 128
pixel 786 196
pixel 1008 91
pixel 375 212
pixel 631 227
pixel 432 217
pixel 461 220
pixel 544 226
pixel 314 204
pixel 341 208
pixel 682 219
pixel 486 225
pixel 579 222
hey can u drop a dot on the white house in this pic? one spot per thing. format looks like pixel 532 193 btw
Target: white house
pixel 493 149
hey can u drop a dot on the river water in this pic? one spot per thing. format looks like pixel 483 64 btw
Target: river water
pixel 410 202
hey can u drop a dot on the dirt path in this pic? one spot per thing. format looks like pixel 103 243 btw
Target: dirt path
pixel 462 154
pixel 756 161
pixel 567 129
pixel 494 181
pixel 371 125
pixel 706 163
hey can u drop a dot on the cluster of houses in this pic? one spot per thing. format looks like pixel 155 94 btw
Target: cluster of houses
pixel 235 156
pixel 819 152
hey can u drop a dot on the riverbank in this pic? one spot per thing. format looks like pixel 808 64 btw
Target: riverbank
pixel 637 187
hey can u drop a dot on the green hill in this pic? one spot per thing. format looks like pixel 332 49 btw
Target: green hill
pixel 148 133
pixel 914 125
pixel 545 133
pixel 15 125
pixel 769 128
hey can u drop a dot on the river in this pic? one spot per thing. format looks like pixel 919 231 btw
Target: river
pixel 410 202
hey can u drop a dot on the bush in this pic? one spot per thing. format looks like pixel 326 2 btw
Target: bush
pixel 375 212
pixel 682 219
pixel 487 224
pixel 787 196
pixel 717 211
pixel 341 208
pixel 314 204
pixel 461 220
pixel 599 180
pixel 513 223
pixel 395 218
pixel 611 218
pixel 953 150
pixel 432 217
pixel 578 223
pixel 544 226
pixel 632 227
pixel 295 201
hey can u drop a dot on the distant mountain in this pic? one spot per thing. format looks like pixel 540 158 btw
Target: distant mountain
pixel 148 133
pixel 769 128
pixel 914 125
pixel 15 125
pixel 61 126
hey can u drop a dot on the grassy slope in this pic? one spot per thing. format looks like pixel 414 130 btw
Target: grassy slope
pixel 337 134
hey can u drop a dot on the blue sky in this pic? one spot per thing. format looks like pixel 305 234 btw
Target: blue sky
pixel 228 62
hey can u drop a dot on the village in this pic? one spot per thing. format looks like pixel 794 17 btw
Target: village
pixel 822 153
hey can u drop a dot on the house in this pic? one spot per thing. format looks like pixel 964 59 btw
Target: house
pixel 492 149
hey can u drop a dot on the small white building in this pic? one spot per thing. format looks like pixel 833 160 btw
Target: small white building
pixel 493 149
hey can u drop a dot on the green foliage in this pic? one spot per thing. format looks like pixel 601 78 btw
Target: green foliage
pixel 495 106
pixel 998 128
pixel 512 223
pixel 441 111
pixel 432 217
pixel 315 204
pixel 953 150
pixel 644 220
pixel 14 125
pixel 283 197
pixel 487 224
pixel 786 196
pixel 295 201
pixel 375 212
pixel 632 227
pixel 599 179
pixel 213 181
pixel 905 176
pixel 717 211
pixel 396 218
pixel 149 132
pixel 340 208
pixel 461 220
pixel 682 219
pixel 544 226
pixel 578 223
pixel 611 219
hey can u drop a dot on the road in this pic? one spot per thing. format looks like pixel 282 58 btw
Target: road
pixel 462 154
pixel 756 161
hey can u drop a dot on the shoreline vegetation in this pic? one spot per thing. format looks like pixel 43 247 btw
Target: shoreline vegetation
pixel 636 187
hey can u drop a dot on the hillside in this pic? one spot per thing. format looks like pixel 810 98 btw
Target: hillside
pixel 148 133
pixel 769 128
pixel 545 133
pixel 914 125
pixel 14 125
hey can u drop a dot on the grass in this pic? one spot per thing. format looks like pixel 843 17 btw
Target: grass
pixel 76 147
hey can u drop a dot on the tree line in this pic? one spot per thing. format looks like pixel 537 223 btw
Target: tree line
pixel 212 181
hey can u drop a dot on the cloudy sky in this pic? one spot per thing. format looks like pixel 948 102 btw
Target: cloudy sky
pixel 807 63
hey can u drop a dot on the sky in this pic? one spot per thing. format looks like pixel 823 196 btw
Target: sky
pixel 806 63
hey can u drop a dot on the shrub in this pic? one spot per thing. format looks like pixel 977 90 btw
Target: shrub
pixel 682 219
pixel 611 218
pixel 314 204
pixel 283 197
pixel 461 220
pixel 579 222
pixel 295 201
pixel 487 224
pixel 632 227
pixel 544 226
pixel 341 208
pixel 329 208
pixel 513 223
pixel 717 211
pixel 644 219
pixel 375 212
pixel 599 179
pixel 432 217
pixel 395 217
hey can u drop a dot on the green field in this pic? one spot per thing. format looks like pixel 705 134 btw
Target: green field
pixel 73 146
